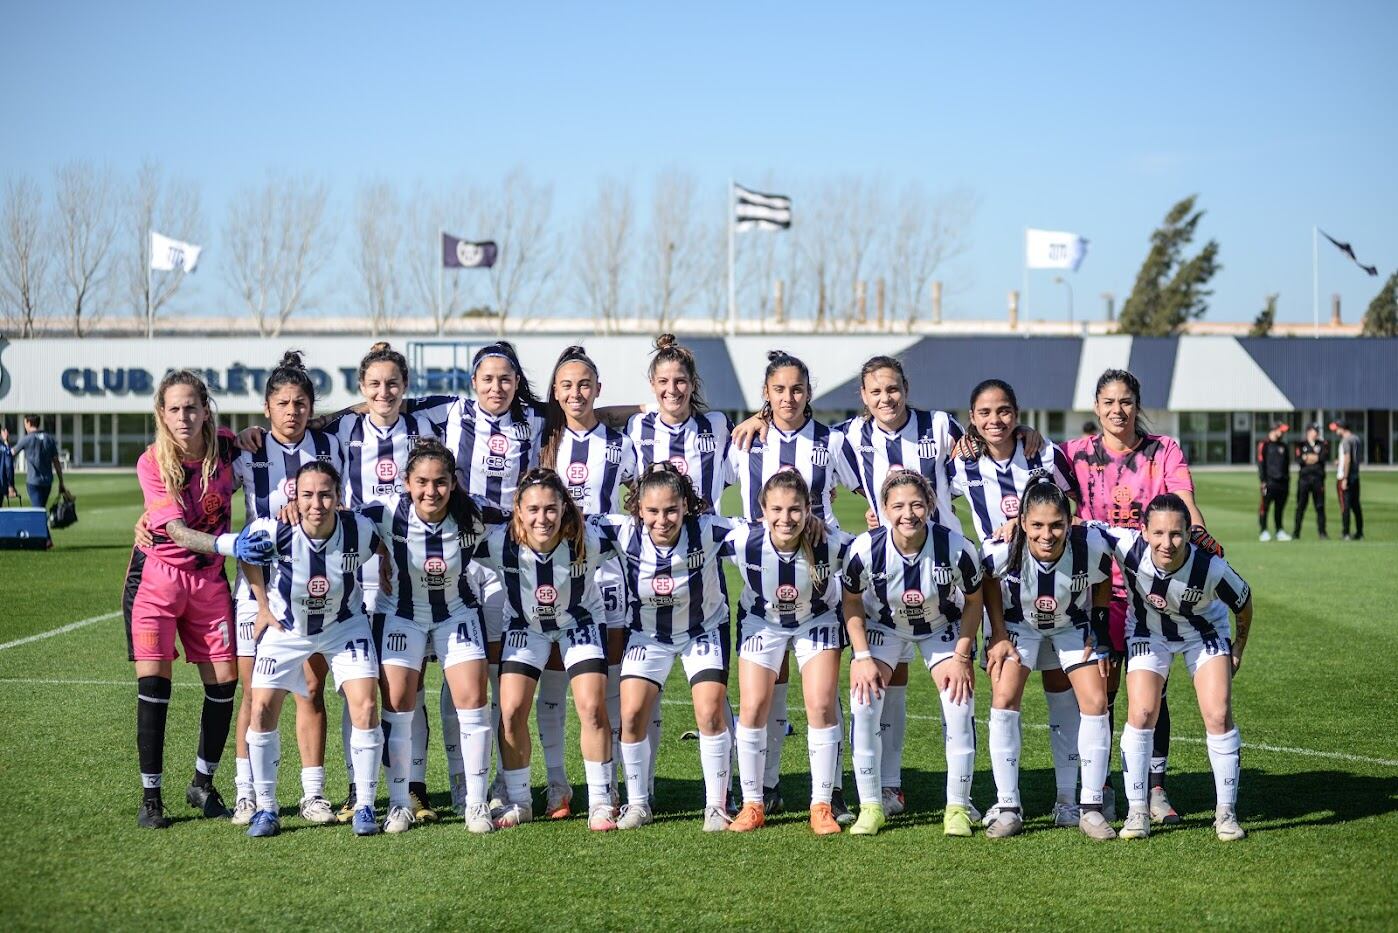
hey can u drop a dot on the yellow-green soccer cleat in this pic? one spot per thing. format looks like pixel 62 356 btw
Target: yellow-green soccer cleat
pixel 871 820
pixel 956 821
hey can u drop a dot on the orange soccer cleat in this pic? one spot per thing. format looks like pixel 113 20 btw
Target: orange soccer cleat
pixel 749 818
pixel 823 820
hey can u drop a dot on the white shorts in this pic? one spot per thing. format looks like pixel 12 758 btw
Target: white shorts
pixel 404 643
pixel 1155 652
pixel 490 590
pixel 1050 649
pixel 245 611
pixel 369 586
pixel 892 647
pixel 704 656
pixel 611 581
pixel 766 644
pixel 526 650
pixel 282 655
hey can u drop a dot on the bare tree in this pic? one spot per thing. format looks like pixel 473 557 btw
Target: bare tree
pixel 24 256
pixel 820 252
pixel 602 250
pixel 379 229
pixel 928 233
pixel 516 215
pixel 171 207
pixel 429 213
pixel 277 242
pixel 859 204
pixel 674 247
pixel 85 231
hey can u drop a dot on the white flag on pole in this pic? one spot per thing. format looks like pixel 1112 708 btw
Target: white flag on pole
pixel 753 210
pixel 1053 249
pixel 167 255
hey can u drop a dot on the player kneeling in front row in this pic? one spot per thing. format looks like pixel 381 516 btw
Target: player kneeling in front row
pixel 1181 595
pixel 309 603
pixel 912 581
pixel 1050 583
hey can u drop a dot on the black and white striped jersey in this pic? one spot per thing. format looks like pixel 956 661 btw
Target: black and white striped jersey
pixel 813 451
pixel 912 595
pixel 1196 597
pixel 375 458
pixel 673 590
pixel 994 488
pixel 698 448
pixel 1056 595
pixel 313 584
pixel 546 592
pixel 493 452
pixel 787 589
pixel 595 464
pixel 923 443
pixel 429 561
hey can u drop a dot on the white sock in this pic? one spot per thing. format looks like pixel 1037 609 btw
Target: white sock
pixel 1094 752
pixel 400 753
pixel 599 781
pixel 752 758
pixel 313 781
pixel 653 737
pixel 823 747
pixel 265 754
pixel 1005 744
pixel 242 780
pixel 613 700
pixel 366 749
pixel 959 729
pixel 1063 719
pixel 1135 760
pixel 552 715
pixel 417 772
pixel 474 734
pixel 893 726
pixel 451 737
pixel 1226 760
pixel 776 736
pixel 346 729
pixel 635 759
pixel 714 751
pixel 867 743
pixel 517 785
pixel 1158 765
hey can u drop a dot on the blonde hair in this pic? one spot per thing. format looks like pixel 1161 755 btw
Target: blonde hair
pixel 167 450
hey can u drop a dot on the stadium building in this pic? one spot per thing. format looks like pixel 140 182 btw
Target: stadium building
pixel 1218 394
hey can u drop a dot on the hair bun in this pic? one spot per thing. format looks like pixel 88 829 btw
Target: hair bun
pixel 291 359
pixel 381 347
pixel 774 355
pixel 665 341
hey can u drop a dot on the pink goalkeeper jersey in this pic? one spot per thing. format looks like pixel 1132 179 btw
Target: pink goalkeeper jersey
pixel 207 509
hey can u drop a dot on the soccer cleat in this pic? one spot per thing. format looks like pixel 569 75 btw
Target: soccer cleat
pixel 751 817
pixel 1007 823
pixel 1137 825
pixel 422 810
pixel 495 796
pixel 207 801
pixel 871 820
pixel 513 814
pixel 1065 813
pixel 634 816
pixel 1109 802
pixel 1265 536
pixel 956 821
pixel 716 820
pixel 347 809
pixel 364 821
pixel 839 808
pixel 601 818
pixel 1226 825
pixel 399 820
pixel 1160 809
pixel 316 809
pixel 243 811
pixel 1282 535
pixel 1095 826
pixel 894 802
pixel 152 815
pixel 823 821
pixel 772 800
pixel 478 819
pixel 560 801
pixel 264 823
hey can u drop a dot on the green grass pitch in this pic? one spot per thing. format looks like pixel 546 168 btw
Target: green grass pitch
pixel 1314 702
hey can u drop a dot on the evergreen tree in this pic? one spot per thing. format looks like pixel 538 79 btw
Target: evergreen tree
pixel 1170 290
pixel 1262 324
pixel 1381 320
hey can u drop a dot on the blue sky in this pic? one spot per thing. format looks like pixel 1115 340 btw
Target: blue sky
pixel 1085 117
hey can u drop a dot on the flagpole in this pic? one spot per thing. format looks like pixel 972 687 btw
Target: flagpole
pixel 732 287
pixel 441 260
pixel 1024 302
pixel 1315 280
pixel 150 324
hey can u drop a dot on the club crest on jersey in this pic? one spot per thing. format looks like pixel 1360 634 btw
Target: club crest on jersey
pixel 1158 601
pixel 1192 595
pixel 1080 583
pixel 1009 506
pixel 820 456
pixel 576 473
pixel 613 453
pixel 349 562
pixel 942 575
pixel 680 464
pixel 522 432
pixel 434 571
pixel 927 448
pixel 316 589
pixel 705 443
pixel 820 573
pixel 578 568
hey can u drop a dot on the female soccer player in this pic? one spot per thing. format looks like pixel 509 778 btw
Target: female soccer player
pixel 308 604
pixel 548 560
pixel 993 476
pixel 1180 595
pixel 596 461
pixel 431 531
pixel 912 581
pixel 790 600
pixel 1047 598
pixel 175 585
pixel 1117 472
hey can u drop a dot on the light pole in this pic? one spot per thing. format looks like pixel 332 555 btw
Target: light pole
pixel 1060 280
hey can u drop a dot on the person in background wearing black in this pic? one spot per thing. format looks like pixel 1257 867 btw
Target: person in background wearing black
pixel 1312 455
pixel 1347 475
pixel 1274 473
pixel 1089 429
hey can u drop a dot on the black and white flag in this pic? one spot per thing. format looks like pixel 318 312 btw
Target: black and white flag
pixel 753 210
pixel 463 254
pixel 1349 251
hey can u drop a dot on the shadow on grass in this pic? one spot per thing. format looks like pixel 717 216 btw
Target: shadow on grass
pixel 1285 801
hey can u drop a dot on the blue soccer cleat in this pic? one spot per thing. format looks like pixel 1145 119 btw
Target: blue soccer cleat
pixel 365 823
pixel 264 823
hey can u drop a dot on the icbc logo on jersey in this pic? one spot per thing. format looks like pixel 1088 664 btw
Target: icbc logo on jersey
pixel 1158 601
pixel 576 474
pixel 434 571
pixel 316 589
pixel 787 595
pixel 1009 506
pixel 545 596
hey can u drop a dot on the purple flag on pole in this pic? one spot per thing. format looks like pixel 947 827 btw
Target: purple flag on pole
pixel 463 254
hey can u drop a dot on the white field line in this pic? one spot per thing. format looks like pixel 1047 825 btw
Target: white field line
pixel 62 629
